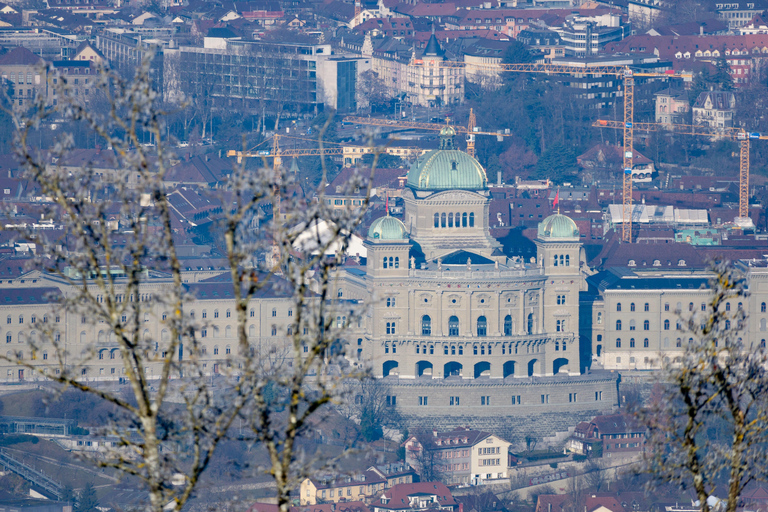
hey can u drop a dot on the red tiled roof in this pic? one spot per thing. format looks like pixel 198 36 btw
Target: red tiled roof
pixel 594 502
pixel 552 502
pixel 396 497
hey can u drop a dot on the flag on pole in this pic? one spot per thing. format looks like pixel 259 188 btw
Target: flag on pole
pixel 386 204
pixel 557 199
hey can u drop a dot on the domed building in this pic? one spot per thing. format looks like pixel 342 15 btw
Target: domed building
pixel 446 203
pixel 457 328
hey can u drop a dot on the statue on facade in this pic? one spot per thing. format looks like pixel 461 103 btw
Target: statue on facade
pixel 413 262
pixel 439 264
pixel 469 263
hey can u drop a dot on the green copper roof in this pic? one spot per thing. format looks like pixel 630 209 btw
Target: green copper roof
pixel 387 228
pixel 446 170
pixel 558 226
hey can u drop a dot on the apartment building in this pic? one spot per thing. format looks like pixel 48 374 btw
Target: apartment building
pixel 459 456
pixel 29 306
pixel 288 78
pixel 360 487
pixel 636 318
pixel 672 107
pixel 25 76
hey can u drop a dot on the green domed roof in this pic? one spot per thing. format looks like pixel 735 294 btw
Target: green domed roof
pixel 445 170
pixel 387 228
pixel 558 226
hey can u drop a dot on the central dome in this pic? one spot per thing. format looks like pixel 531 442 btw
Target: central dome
pixel 445 170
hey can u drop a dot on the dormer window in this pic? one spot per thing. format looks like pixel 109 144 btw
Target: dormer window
pixel 631 263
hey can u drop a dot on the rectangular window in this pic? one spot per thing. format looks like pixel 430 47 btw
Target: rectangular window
pixel 571 397
pixel 485 400
pixel 454 400
pixel 544 399
pixel 516 400
pixel 598 395
pixel 422 400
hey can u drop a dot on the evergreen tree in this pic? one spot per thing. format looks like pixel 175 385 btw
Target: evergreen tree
pixel 86 499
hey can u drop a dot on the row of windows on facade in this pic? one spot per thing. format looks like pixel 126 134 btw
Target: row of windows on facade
pixel 561 260
pixel 112 353
pixel 678 325
pixel 104 337
pixel 482 325
pixel 678 342
pixel 459 220
pixel 486 400
pixel 506 349
pixel 164 316
pixel 691 307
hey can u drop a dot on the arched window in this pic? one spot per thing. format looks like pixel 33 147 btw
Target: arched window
pixel 464 219
pixel 251 331
pixel 567 260
pixel 229 313
pixel 530 323
pixel 646 343
pixel 559 326
pixel 762 307
pixel 215 313
pixel 391 262
pixel 228 331
pixel 397 261
pixel 215 350
pixel 82 337
pixel 618 342
pixel 762 324
pixel 453 326
pixel 562 260
pixel 508 325
pixel 482 326
pixel 474 350
pixel 599 318
pixel 437 220
pixel 646 325
pixel 555 261
pixel 632 343
pixel 632 307
pixel 727 307
pixel 666 325
pixel 618 325
pixel 426 326
pixel 384 264
pixel 450 220
pixel 727 324
pixel 340 293
pixel 228 350
pixel 647 307
pixel 458 220
pixel 442 220
pixel 690 306
pixel 618 307
pixel 471 219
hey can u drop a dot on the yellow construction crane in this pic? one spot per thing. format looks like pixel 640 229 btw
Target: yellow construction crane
pixel 736 134
pixel 625 72
pixel 335 148
pixel 469 129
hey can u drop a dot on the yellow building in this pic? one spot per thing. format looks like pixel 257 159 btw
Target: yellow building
pixel 362 487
